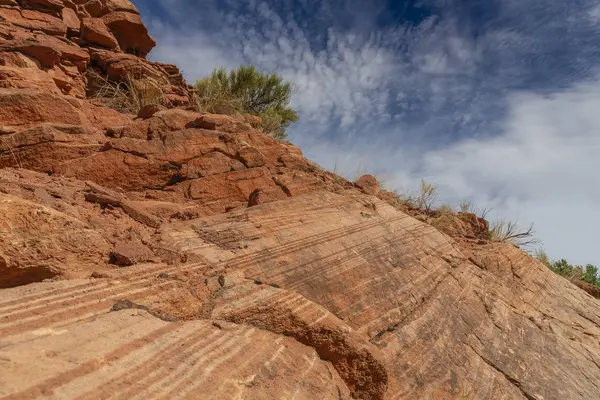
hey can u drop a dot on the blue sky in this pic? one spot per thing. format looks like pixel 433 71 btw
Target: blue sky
pixel 495 101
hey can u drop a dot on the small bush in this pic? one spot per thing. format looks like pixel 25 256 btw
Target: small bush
pixel 541 256
pixel 427 197
pixel 509 232
pixel 466 207
pixel 248 90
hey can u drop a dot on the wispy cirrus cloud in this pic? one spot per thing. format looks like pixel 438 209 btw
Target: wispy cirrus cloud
pixel 494 100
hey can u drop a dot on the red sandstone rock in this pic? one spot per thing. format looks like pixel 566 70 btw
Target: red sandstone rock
pixel 118 66
pixel 149 110
pixel 28 107
pixel 94 8
pixel 34 20
pixel 61 79
pixel 232 188
pixel 223 123
pixel 129 253
pixel 368 184
pixel 93 30
pixel 71 20
pixel 251 157
pixel 18 71
pixel 264 196
pixel 43 5
pixel 98 8
pixel 102 117
pixel 48 50
pixel 210 164
pixel 130 31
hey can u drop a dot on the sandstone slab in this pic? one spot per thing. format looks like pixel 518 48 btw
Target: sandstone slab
pixel 93 30
pixel 34 20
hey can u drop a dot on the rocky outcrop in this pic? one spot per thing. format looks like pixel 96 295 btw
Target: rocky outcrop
pixel 166 253
pixel 373 304
pixel 61 40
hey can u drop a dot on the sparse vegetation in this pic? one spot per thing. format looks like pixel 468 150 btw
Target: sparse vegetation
pixel 128 95
pixel 466 207
pixel 541 256
pixel 427 197
pixel 445 209
pixel 509 232
pixel 588 274
pixel 248 90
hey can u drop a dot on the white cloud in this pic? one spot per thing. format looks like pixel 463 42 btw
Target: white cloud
pixel 543 168
pixel 595 12
pixel 502 111
pixel 340 83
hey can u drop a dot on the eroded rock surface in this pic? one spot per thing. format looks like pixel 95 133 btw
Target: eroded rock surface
pixel 169 252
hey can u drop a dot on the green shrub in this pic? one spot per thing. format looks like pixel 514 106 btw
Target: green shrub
pixel 248 90
pixel 588 274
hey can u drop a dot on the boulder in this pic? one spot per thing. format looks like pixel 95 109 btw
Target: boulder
pixel 130 31
pixel 72 22
pixel 264 196
pixel 149 110
pixel 251 157
pixel 127 253
pixel 368 184
pixel 94 31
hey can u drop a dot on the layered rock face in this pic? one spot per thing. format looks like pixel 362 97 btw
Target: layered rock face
pixel 176 254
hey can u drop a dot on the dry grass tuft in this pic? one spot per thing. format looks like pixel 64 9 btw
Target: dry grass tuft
pixel 216 100
pixel 445 209
pixel 467 207
pixel 509 232
pixel 127 96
